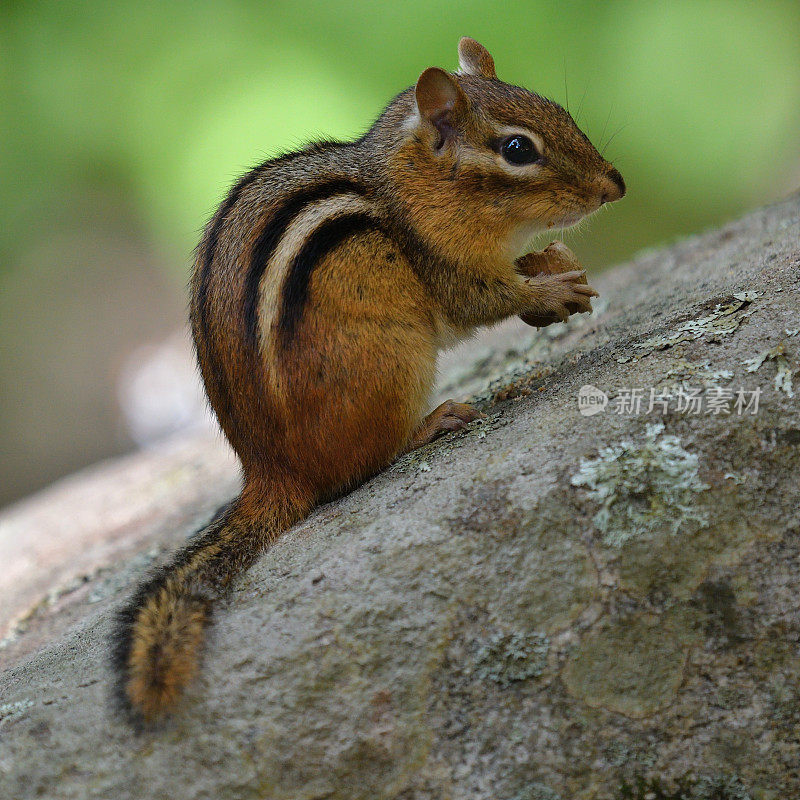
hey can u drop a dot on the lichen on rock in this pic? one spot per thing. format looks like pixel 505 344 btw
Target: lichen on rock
pixel 722 320
pixel 632 665
pixel 643 487
pixel 506 657
pixel 779 356
pixel 536 791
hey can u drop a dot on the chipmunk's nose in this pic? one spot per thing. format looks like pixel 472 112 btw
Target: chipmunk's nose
pixel 613 187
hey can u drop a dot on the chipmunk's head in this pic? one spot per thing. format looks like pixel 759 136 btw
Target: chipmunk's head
pixel 503 148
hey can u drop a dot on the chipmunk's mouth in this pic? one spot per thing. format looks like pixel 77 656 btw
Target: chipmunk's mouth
pixel 584 208
pixel 522 236
pixel 569 219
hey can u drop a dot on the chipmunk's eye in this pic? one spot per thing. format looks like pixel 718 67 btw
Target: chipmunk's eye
pixel 519 150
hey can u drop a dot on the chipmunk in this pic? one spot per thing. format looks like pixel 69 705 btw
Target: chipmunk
pixel 322 290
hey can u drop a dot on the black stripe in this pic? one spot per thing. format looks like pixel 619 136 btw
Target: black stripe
pixel 210 245
pixel 212 240
pixel 322 241
pixel 270 237
pixel 203 341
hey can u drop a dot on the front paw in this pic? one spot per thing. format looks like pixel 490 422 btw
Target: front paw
pixel 558 297
pixel 558 302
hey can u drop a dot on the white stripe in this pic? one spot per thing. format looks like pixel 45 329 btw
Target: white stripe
pixel 292 241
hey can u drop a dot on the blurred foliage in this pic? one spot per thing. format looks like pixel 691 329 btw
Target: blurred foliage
pixel 122 124
pixel 164 104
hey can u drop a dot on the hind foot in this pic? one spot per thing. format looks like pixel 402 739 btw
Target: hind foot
pixel 449 416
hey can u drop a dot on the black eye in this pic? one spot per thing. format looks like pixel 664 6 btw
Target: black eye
pixel 519 150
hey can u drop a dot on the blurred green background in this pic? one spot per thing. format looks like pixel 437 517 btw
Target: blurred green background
pixel 123 123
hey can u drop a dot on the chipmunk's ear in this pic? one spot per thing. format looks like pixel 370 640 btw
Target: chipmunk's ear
pixel 474 59
pixel 441 102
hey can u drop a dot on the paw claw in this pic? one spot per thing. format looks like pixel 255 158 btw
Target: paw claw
pixel 449 416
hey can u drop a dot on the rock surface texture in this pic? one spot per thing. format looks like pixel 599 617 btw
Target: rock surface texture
pixel 548 605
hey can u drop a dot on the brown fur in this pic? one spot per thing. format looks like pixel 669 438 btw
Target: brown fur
pixel 314 411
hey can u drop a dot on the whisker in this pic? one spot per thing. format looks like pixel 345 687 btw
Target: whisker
pixel 605 127
pixel 618 130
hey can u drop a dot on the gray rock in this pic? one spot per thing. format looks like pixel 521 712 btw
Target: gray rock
pixel 549 605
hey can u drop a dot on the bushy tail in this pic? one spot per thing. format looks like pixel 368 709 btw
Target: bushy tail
pixel 160 632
